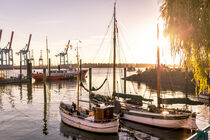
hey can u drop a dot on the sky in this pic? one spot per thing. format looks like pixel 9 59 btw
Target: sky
pixel 85 20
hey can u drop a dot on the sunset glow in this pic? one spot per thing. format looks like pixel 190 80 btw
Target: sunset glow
pixel 137 20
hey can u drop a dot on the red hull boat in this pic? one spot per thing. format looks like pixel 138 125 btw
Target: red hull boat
pixel 59 75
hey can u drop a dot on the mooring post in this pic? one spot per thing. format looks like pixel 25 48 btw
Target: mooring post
pixel 49 69
pixel 44 74
pixel 90 85
pixel 125 80
pixel 20 76
pixel 29 70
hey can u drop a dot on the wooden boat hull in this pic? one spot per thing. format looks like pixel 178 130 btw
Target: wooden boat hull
pixel 158 120
pixel 91 126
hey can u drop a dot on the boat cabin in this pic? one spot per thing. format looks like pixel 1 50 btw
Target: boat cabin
pixel 103 113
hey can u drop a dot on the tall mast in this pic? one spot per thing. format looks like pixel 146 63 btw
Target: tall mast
pixel 158 68
pixel 78 79
pixel 47 54
pixel 114 56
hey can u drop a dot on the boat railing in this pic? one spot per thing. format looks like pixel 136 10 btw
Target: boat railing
pixel 200 134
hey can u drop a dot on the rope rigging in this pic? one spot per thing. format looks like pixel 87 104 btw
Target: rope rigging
pixel 93 88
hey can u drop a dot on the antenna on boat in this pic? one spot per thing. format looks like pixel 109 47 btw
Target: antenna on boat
pixel 158 68
pixel 114 56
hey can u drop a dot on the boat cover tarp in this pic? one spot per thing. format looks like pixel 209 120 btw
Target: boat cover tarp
pixel 179 101
pixel 123 95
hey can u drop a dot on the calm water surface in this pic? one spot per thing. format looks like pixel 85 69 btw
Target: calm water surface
pixel 30 111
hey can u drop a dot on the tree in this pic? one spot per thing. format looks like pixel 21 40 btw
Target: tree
pixel 187 24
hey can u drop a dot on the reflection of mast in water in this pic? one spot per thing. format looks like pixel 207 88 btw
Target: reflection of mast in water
pixel 29 92
pixel 21 92
pixel 49 98
pixel 45 130
pixel 1 104
pixel 59 86
pixel 11 99
pixel 49 93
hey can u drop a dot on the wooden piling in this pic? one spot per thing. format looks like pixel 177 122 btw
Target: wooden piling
pixel 29 70
pixel 20 76
pixel 44 74
pixel 49 69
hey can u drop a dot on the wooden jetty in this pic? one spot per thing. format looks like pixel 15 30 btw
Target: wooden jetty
pixel 20 79
pixel 14 81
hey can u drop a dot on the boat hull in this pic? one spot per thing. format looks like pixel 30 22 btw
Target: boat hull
pixel 60 76
pixel 91 126
pixel 153 119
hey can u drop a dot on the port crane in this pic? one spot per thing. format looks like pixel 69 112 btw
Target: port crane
pixel 40 59
pixel 64 55
pixel 6 53
pixel 32 57
pixel 25 53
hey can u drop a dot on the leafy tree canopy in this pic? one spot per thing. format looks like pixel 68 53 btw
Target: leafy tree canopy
pixel 187 24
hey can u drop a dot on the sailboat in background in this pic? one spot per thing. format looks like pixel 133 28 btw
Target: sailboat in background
pixel 157 116
pixel 100 119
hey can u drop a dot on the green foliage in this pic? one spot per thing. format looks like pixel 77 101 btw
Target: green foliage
pixel 187 23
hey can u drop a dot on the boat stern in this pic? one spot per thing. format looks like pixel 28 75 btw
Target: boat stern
pixel 191 122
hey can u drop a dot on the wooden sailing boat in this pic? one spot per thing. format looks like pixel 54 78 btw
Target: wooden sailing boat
pixel 157 116
pixel 100 119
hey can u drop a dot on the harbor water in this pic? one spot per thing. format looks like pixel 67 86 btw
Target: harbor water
pixel 31 111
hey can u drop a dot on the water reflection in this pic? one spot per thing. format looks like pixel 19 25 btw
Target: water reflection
pixel 161 133
pixel 75 134
pixel 21 92
pixel 1 102
pixel 29 93
pixel 11 98
pixel 35 113
pixel 45 130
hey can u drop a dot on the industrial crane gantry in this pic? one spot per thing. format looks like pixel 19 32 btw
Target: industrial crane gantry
pixel 25 53
pixel 64 55
pixel 6 53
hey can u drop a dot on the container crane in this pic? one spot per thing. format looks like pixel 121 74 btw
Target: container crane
pixel 6 53
pixel 40 59
pixel 64 55
pixel 25 53
pixel 32 58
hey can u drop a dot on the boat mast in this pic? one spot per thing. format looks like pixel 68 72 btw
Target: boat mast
pixel 78 78
pixel 114 56
pixel 158 68
pixel 47 54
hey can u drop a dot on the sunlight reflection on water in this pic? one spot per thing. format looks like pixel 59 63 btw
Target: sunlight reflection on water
pixel 30 111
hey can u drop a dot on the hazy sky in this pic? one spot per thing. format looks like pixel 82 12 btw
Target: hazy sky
pixel 85 20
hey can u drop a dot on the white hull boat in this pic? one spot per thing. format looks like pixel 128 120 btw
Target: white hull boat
pixel 161 120
pixel 88 123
